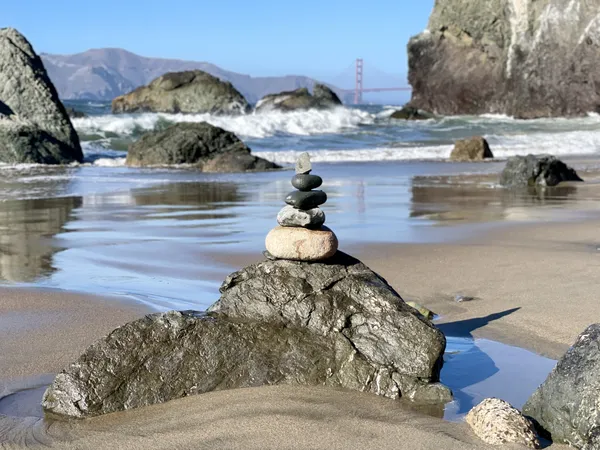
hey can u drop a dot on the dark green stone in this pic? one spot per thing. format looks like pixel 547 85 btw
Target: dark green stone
pixel 305 182
pixel 306 200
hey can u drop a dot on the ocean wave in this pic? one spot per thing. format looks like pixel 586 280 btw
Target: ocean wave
pixel 560 144
pixel 109 162
pixel 361 155
pixel 260 125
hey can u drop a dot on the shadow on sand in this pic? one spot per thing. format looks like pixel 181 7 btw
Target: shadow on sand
pixel 464 328
pixel 476 369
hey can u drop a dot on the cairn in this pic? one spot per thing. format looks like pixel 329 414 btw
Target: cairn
pixel 301 235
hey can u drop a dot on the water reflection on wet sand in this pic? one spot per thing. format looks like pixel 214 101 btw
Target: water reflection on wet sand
pixel 158 243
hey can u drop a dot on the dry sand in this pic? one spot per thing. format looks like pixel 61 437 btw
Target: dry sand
pixel 534 285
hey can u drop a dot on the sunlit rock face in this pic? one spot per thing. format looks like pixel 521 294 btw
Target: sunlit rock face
pixel 523 58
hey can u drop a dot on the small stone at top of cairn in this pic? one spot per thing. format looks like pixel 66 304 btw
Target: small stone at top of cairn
pixel 303 165
pixel 301 235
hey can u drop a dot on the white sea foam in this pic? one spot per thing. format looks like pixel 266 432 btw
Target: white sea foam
pixel 261 125
pixel 357 155
pixel 562 144
pixel 109 162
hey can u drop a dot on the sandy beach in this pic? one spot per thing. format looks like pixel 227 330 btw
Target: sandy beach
pixel 524 280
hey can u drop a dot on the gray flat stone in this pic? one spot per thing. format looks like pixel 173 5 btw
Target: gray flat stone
pixel 292 217
pixel 303 164
pixel 305 182
pixel 306 200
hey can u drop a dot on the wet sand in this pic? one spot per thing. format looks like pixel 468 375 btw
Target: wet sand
pixel 43 330
pixel 533 285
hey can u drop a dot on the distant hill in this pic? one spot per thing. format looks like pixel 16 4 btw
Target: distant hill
pixel 103 74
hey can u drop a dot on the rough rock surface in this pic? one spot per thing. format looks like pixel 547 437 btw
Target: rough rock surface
pixel 322 98
pixel 425 312
pixel 525 58
pixel 473 149
pixel 532 170
pixel 192 91
pixel 211 148
pixel 301 244
pixel 335 324
pixel 34 125
pixel 292 217
pixel 567 403
pixel 496 422
pixel 340 296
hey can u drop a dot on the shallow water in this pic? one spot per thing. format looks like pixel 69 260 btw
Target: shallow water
pixel 476 369
pixel 157 235
pixel 153 234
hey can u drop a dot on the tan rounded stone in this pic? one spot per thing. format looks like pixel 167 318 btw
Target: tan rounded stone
pixel 301 244
pixel 473 149
pixel 496 422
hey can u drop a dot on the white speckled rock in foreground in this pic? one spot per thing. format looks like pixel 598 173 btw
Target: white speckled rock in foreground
pixel 301 244
pixel 496 422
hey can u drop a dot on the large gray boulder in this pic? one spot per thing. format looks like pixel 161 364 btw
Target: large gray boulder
pixel 300 99
pixel 191 91
pixel 536 170
pixel 568 402
pixel 525 58
pixel 34 125
pixel 335 324
pixel 210 148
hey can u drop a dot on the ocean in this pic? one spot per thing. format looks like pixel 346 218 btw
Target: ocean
pixel 159 234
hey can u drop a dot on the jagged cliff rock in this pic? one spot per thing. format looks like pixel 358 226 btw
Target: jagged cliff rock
pixel 526 58
pixel 34 125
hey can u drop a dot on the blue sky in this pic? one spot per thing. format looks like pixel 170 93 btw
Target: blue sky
pixel 258 37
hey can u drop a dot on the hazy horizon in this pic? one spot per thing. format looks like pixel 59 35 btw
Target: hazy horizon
pixel 265 38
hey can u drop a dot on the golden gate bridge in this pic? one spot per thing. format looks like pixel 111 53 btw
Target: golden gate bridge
pixel 359 90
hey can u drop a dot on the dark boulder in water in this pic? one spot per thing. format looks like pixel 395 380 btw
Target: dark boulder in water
pixel 300 99
pixel 209 148
pixel 410 113
pixel 277 322
pixel 566 404
pixel 536 170
pixel 34 125
pixel 192 91
pixel 523 58
pixel 74 113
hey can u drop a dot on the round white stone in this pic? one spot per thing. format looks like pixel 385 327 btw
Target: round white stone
pixel 301 244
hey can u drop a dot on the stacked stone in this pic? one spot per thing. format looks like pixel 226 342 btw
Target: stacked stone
pixel 301 235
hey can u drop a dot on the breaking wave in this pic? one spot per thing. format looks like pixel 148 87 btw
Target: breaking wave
pixel 257 125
